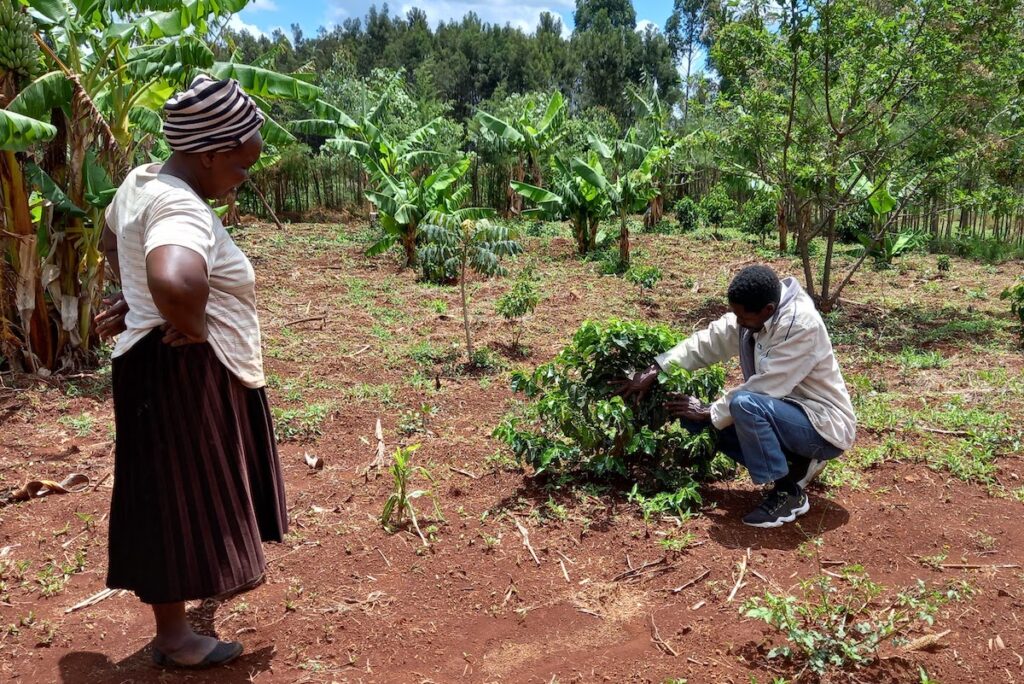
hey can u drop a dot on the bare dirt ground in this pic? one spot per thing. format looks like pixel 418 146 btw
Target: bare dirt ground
pixel 931 492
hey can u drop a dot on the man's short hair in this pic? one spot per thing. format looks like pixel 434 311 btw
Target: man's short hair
pixel 755 287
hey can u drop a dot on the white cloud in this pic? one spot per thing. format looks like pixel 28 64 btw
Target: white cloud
pixel 523 14
pixel 641 26
pixel 236 23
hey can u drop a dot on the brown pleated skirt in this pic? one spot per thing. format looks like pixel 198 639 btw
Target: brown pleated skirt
pixel 197 481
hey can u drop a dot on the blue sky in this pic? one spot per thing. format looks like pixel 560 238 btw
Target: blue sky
pixel 266 15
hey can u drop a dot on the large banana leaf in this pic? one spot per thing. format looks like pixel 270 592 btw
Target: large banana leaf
pixel 51 191
pixel 590 174
pixel 184 16
pixel 146 120
pixel 501 129
pixel 46 93
pixel 319 127
pixel 18 132
pixel 325 110
pixel 170 60
pixel 265 83
pixel 48 12
pixel 553 113
pixel 445 176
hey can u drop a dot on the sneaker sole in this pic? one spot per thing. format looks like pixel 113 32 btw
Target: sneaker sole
pixel 779 522
pixel 812 472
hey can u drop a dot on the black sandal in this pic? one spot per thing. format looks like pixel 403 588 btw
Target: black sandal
pixel 222 654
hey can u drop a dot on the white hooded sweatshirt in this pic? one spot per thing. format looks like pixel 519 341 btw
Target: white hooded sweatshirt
pixel 792 360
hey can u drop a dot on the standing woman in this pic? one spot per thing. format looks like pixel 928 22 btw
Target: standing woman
pixel 197 481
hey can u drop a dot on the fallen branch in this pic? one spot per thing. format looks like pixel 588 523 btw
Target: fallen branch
pixel 696 579
pixel 320 318
pixel 526 540
pixel 739 582
pixel 565 573
pixel 660 565
pixel 380 459
pixel 969 566
pixel 658 641
pixel 94 599
pixel 954 433
pixel 358 352
pixel 464 472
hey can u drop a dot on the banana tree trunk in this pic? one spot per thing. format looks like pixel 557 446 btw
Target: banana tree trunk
pixel 23 255
pixel 409 245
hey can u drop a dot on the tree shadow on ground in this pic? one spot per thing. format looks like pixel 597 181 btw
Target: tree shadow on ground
pixel 728 530
pixel 87 667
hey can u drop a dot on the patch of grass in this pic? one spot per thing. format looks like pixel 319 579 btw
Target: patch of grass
pixel 383 393
pixel 438 306
pixel 300 423
pixel 81 424
pixel 914 359
pixel 53 576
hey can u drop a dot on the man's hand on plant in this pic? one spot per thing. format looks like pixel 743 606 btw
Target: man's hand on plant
pixel 110 320
pixel 690 408
pixel 641 383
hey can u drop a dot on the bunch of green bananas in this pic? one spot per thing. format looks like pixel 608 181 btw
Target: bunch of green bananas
pixel 18 50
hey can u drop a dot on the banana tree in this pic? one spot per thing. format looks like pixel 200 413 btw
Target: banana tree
pixel 631 186
pixel 569 196
pixel 113 64
pixel 527 143
pixel 405 199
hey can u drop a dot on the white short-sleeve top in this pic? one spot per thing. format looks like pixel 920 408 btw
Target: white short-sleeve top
pixel 152 209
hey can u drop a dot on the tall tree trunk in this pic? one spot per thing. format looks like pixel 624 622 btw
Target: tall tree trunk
pixel 623 240
pixel 465 313
pixel 782 225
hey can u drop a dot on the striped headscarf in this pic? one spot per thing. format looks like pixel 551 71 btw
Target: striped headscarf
pixel 211 116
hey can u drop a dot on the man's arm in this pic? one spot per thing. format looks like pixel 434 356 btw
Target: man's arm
pixel 719 342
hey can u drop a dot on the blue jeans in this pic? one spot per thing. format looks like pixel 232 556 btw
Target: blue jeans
pixel 765 432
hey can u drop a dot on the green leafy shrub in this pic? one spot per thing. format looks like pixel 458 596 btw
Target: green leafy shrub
pixel 519 302
pixel 575 424
pixel 831 628
pixel 758 216
pixel 644 277
pixel 687 215
pixel 1015 295
pixel 716 205
pixel 943 263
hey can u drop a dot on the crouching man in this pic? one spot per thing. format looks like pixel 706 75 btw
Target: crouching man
pixel 791 414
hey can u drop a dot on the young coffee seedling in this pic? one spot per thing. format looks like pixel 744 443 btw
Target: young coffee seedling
pixel 518 303
pixel 644 277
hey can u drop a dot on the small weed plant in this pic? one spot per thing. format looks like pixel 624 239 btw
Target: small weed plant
pixel 830 628
pixel 399 503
